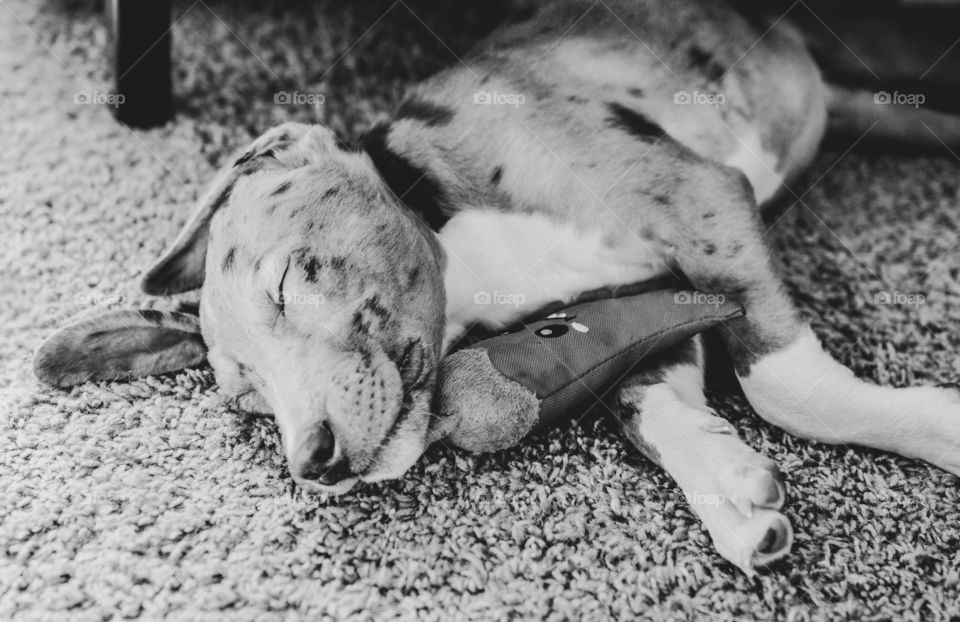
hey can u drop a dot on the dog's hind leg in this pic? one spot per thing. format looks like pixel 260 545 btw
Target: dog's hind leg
pixel 785 373
pixel 735 491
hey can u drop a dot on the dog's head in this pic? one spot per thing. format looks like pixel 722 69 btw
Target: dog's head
pixel 321 302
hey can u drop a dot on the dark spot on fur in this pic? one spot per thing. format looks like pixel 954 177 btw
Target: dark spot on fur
pixel 704 62
pixel 497 174
pixel 634 123
pixel 338 263
pixel 296 212
pixel 429 113
pixel 663 199
pixel 371 311
pixel 329 193
pixel 414 186
pixel 635 92
pixel 709 248
pixel 150 315
pixel 413 275
pixel 311 267
pixel 281 188
pixel 243 369
pixel 708 215
pixel 577 99
pixel 373 305
pixel 272 208
pixel 257 262
pixel 229 258
pixel 360 324
pixel 735 249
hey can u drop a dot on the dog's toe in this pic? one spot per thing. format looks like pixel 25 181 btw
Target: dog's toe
pixel 758 485
pixel 775 543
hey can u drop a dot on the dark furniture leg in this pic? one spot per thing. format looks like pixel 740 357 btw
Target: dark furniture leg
pixel 141 38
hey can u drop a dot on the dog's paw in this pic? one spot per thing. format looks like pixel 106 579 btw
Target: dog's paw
pixel 736 492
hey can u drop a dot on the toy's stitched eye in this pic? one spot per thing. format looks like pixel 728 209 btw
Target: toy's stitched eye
pixel 552 330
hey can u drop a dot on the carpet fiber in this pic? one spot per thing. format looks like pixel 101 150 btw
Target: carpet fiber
pixel 148 498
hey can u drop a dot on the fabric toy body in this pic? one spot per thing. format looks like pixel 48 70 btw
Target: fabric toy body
pixel 496 391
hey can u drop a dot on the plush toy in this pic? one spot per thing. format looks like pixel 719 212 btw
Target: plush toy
pixel 494 392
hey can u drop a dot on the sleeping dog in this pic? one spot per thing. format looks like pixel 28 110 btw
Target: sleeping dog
pixel 587 145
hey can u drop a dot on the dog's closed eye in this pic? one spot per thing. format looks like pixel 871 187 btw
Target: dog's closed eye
pixel 276 294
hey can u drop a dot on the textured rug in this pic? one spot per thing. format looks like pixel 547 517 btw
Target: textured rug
pixel 150 499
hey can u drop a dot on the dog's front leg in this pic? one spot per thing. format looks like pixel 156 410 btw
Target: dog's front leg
pixel 735 491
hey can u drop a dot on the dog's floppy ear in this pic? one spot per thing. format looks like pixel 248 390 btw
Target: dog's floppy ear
pixel 181 268
pixel 118 345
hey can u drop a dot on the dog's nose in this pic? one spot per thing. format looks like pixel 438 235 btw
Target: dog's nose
pixel 317 462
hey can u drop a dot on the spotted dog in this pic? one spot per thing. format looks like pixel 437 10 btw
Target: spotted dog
pixel 583 146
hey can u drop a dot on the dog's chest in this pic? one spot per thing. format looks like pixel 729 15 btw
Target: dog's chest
pixel 503 266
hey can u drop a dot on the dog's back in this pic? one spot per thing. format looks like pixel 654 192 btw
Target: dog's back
pixel 582 96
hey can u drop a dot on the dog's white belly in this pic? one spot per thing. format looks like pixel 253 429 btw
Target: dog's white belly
pixel 502 266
